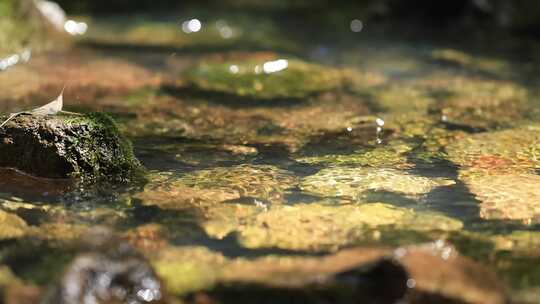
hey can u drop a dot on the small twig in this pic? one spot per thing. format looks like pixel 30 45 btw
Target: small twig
pixel 71 113
pixel 13 115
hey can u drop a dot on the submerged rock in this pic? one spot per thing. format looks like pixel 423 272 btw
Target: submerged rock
pixel 313 227
pixel 264 182
pixel 514 150
pixel 273 79
pixel 478 104
pixel 11 226
pixel 88 146
pixel 353 182
pixel 506 196
pixel 108 272
pixel 430 273
pixel 500 168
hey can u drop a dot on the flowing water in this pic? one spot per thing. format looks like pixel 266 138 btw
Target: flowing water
pixel 401 139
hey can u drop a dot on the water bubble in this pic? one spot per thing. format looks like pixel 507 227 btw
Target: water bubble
pixel 75 28
pixel 349 129
pixel 191 26
pixel 261 204
pixel 411 283
pixel 257 69
pixel 224 29
pixel 234 69
pixel 356 25
pixel 226 32
pixel 379 133
pixel 14 59
pixel 275 66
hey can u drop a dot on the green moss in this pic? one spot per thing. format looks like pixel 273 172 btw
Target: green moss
pixel 248 79
pixel 102 150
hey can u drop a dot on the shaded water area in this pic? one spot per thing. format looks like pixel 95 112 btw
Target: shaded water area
pixel 289 159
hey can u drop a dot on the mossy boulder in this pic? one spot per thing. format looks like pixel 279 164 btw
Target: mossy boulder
pixel 272 79
pixel 64 146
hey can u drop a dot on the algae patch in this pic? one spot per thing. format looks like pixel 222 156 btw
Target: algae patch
pixel 277 79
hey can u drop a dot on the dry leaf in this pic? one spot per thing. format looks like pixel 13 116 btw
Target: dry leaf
pixel 52 108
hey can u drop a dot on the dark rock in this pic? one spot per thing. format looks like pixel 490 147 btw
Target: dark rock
pixel 88 146
pixel 110 271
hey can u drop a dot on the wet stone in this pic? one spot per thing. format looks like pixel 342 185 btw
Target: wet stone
pixel 351 183
pixel 87 146
pixel 272 79
pixel 109 271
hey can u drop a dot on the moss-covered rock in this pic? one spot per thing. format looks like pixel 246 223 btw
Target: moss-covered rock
pixel 63 146
pixel 272 79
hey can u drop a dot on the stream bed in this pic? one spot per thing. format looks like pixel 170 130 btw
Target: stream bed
pixel 383 165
